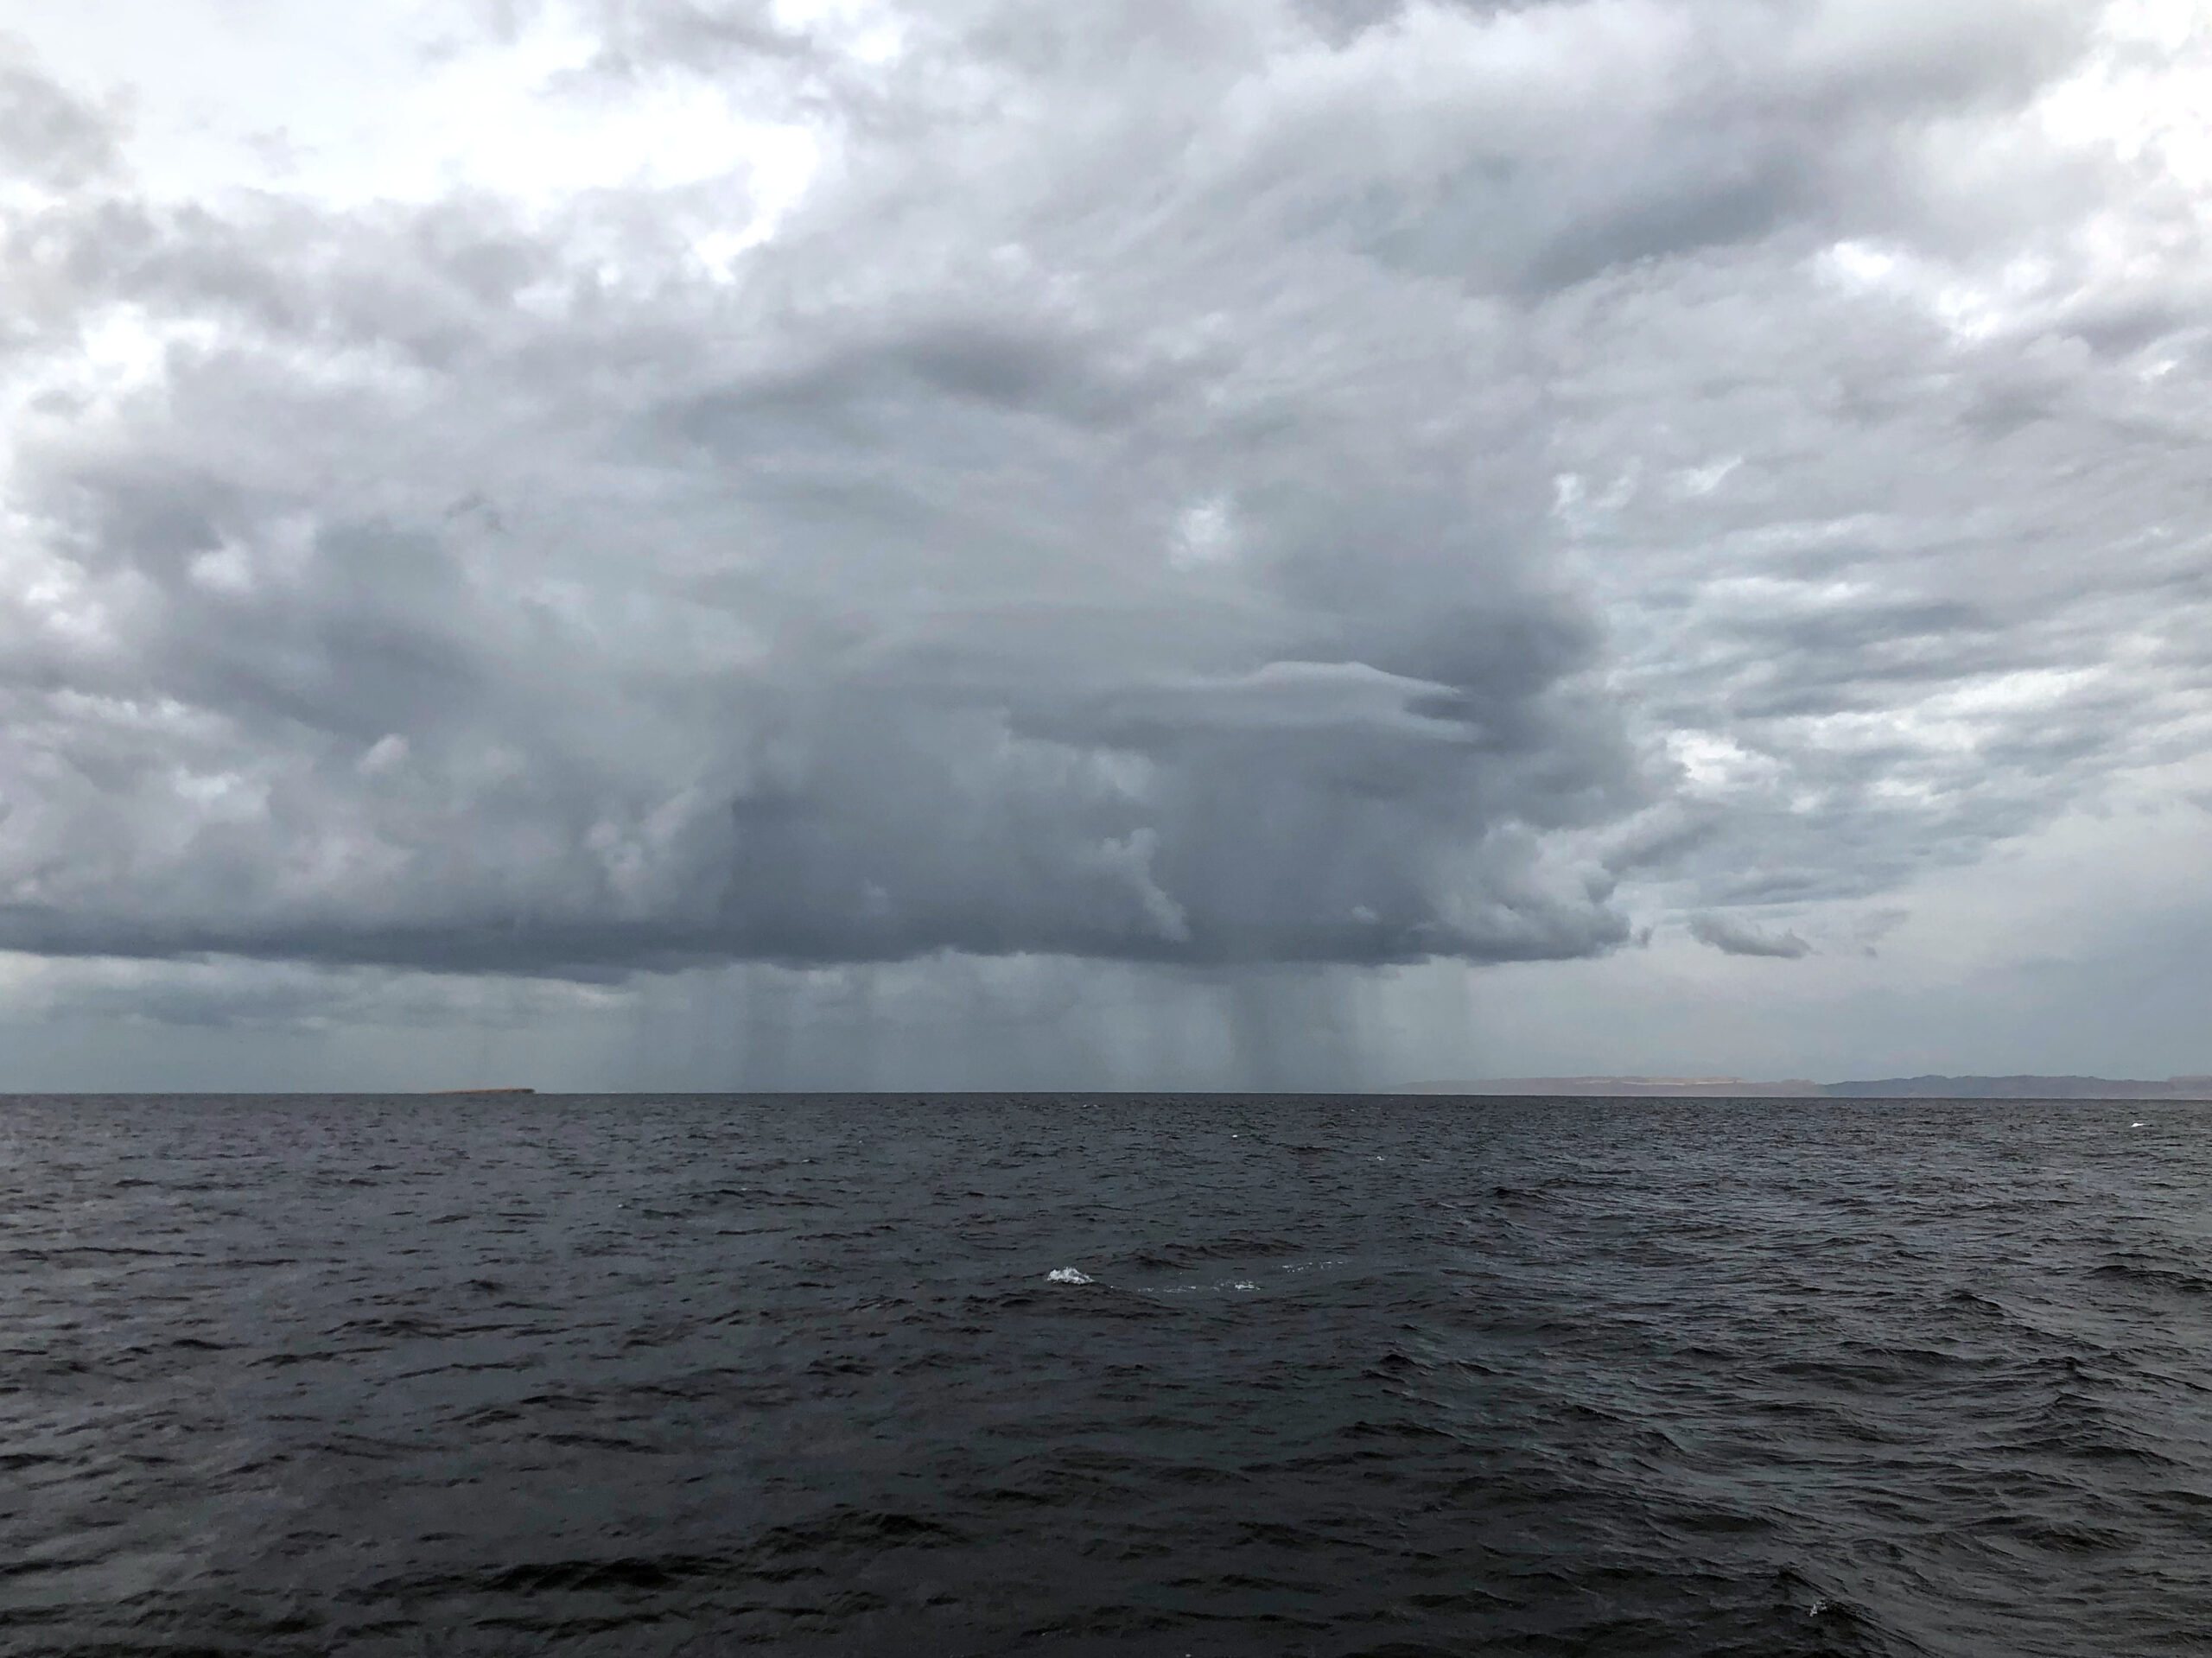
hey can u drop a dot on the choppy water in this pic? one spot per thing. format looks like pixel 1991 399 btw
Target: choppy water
pixel 1381 1376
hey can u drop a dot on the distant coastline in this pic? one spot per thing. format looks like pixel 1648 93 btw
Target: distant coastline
pixel 1908 1088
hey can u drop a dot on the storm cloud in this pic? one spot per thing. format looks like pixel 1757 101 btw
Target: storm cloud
pixel 1216 485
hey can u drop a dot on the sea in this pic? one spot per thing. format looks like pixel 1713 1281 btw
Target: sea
pixel 1104 1374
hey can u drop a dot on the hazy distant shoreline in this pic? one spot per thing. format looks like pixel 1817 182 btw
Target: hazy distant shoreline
pixel 1970 1088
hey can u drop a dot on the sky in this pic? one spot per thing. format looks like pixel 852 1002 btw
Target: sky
pixel 1158 544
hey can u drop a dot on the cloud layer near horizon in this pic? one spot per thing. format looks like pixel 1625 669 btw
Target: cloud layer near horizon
pixel 1211 484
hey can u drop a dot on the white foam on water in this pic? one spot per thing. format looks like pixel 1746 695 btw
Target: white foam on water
pixel 1225 1286
pixel 1068 1276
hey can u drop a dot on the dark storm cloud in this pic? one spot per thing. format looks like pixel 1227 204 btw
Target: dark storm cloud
pixel 1207 484
pixel 762 635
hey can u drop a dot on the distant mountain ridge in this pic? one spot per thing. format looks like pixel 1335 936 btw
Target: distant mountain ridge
pixel 2024 1088
pixel 1707 1087
pixel 1921 1088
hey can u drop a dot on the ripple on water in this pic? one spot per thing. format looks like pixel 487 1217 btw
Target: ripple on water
pixel 1343 1376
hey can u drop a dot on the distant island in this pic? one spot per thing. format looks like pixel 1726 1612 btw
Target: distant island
pixel 447 1092
pixel 2025 1088
pixel 1902 1088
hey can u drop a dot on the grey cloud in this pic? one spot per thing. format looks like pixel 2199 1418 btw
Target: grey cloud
pixel 1659 837
pixel 844 664
pixel 1698 129
pixel 1110 516
pixel 715 34
pixel 1734 938
pixel 45 134
pixel 1893 630
pixel 1340 21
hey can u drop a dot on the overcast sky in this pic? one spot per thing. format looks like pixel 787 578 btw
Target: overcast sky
pixel 1147 543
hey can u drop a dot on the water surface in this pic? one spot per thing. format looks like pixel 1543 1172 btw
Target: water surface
pixel 660 1374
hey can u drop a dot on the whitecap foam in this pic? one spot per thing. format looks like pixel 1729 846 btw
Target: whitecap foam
pixel 1068 1276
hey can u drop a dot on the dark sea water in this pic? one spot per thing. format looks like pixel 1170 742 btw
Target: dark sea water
pixel 653 1375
